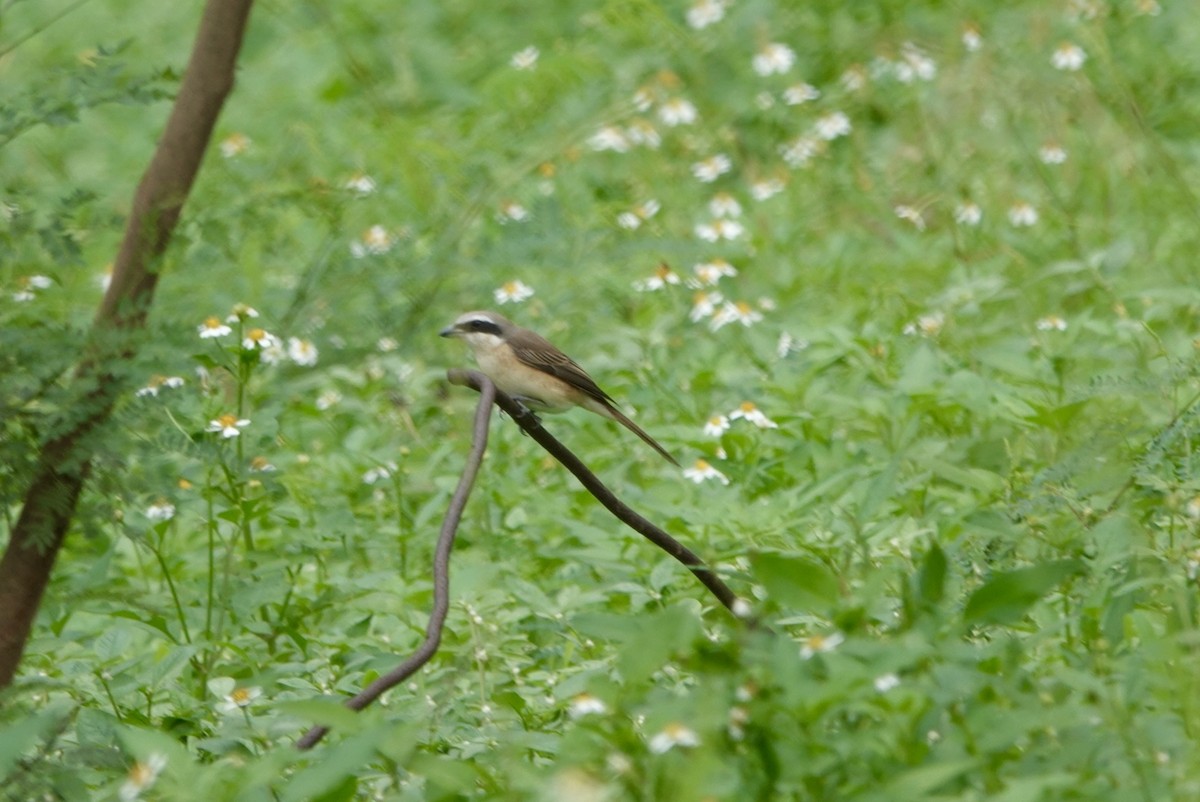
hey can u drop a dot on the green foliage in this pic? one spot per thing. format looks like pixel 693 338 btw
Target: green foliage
pixel 966 519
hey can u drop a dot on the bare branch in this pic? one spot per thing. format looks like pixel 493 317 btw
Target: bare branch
pixel 531 425
pixel 441 571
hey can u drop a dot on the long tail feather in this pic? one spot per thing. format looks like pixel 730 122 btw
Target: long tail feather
pixel 620 418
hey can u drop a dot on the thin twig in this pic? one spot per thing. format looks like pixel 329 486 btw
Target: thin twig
pixel 533 427
pixel 441 572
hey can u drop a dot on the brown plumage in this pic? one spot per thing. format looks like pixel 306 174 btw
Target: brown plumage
pixel 530 368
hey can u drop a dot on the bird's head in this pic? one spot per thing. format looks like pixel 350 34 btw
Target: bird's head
pixel 480 330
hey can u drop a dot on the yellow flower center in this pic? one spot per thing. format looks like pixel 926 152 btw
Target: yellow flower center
pixel 228 421
pixel 702 465
pixel 748 407
pixel 257 335
pixel 240 697
pixel 212 323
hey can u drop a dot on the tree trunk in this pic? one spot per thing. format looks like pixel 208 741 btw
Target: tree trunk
pixel 65 459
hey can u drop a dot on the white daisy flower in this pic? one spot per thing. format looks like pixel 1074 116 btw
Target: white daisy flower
pixel 773 59
pixel 512 292
pixel 525 59
pixel 228 425
pixel 702 471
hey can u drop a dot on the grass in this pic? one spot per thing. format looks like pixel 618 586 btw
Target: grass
pixel 973 530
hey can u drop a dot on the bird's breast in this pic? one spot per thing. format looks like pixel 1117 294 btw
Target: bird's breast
pixel 538 389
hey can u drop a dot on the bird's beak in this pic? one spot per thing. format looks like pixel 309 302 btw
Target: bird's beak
pixel 449 331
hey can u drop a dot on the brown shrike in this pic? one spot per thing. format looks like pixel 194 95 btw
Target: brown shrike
pixel 529 368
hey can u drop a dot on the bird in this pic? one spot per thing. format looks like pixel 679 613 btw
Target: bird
pixel 528 367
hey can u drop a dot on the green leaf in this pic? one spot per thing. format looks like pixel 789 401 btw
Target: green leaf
pixel 333 775
pixel 931 578
pixel 795 582
pixel 655 640
pixel 18 738
pixel 1007 596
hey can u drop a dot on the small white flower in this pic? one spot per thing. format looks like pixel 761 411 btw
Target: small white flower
pixel 773 59
pixel 720 229
pixel 238 699
pixel 742 608
pixel 854 79
pixel 241 312
pixel 724 205
pixel 800 94
pixel 328 399
pixel 765 188
pixel 40 282
pixel 142 776
pixel 735 312
pixel 968 214
pixel 585 704
pixel 1022 215
pixel 235 145
pixel 23 296
pixel 260 340
pixel 302 352
pixel 512 292
pixel 643 99
pixel 972 39
pixel 156 383
pixel 525 59
pixel 709 273
pixel 641 132
pixel 161 510
pixel 705 12
pixel 914 65
pixel 671 736
pixel 1052 153
pixel 677 111
pixel 712 168
pixel 261 465
pixel 800 151
pixel 228 425
pixel 360 184
pixel 629 221
pixel 912 215
pixel 820 644
pixel 702 471
pixel 886 682
pixel 647 209
pixel 704 304
pixel 386 344
pixel 1068 57
pixel 379 472
pixel 374 241
pixel 512 212
pixel 926 325
pixel 213 327
pixel 609 138
pixel 750 413
pixel 831 126
pixel 1052 323
pixel 716 426
pixel 788 344
pixel 663 275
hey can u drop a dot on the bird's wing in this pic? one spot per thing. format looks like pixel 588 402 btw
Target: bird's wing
pixel 539 354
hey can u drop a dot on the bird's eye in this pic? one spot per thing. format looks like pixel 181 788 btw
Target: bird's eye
pixel 478 325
